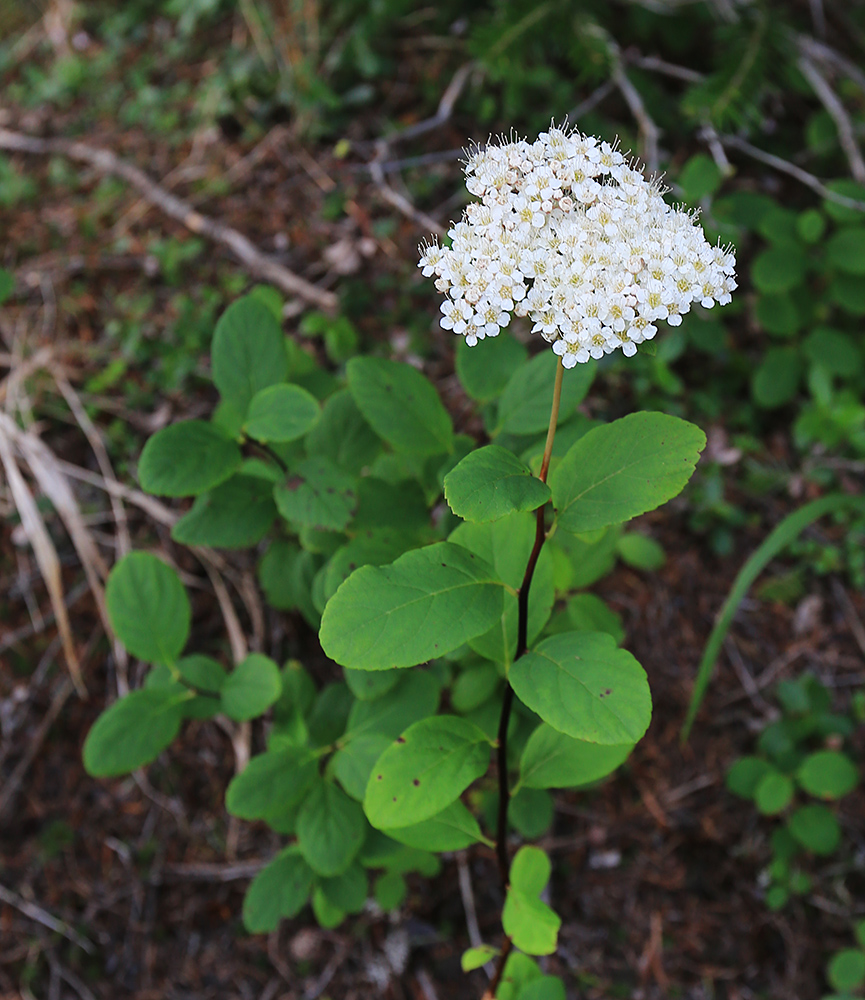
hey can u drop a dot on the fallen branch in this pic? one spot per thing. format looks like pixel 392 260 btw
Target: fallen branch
pixel 247 253
pixel 785 167
pixel 831 102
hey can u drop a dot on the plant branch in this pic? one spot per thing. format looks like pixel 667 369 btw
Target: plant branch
pixel 105 162
pixel 522 645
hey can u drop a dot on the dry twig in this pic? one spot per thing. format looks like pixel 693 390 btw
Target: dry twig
pixel 785 167
pixel 107 163
pixel 43 549
pixel 46 919
pixel 831 102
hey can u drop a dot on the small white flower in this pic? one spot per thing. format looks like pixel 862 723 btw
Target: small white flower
pixel 572 235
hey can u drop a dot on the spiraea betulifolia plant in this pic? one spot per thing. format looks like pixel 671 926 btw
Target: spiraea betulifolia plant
pixel 465 696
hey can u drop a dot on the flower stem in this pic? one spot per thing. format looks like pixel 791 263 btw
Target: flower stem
pixel 522 645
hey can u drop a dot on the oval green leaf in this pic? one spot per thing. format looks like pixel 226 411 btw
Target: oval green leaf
pixel 828 774
pixel 281 413
pixel 248 352
pixel 524 407
pixel 401 405
pixel 279 890
pixel 583 685
pixel 815 828
pixel 148 608
pixel 330 829
pixel 251 688
pixel 553 760
pixel 271 783
pixel 774 792
pixel 450 830
pixel 425 770
pixel 485 373
pixel 491 483
pixel 186 459
pixel 236 515
pixel 316 494
pixel 424 605
pixel 134 731
pixel 353 763
pixel 623 469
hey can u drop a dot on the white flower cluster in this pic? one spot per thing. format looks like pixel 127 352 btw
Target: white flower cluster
pixel 568 233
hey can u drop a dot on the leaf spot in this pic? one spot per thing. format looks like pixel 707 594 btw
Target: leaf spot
pixel 416 782
pixel 400 739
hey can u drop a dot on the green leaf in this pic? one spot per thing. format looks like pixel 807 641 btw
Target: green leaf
pixel 531 924
pixel 474 958
pixel 7 284
pixel 285 573
pixel 530 871
pixel 744 776
pixel 134 731
pixel 187 458
pixel 368 686
pixel 401 405
pixel 553 760
pixel 415 697
pixel 271 783
pixel 828 774
pixel 525 405
pixel 519 971
pixel 317 494
pixel 623 469
pixel 848 293
pixel 845 250
pixel 251 688
pixel 343 436
pixel 326 914
pixel 779 314
pixel 281 413
pixel 347 892
pixel 531 812
pixel 490 483
pixel 450 830
pixel 776 379
pixel 248 352
pixel 505 545
pixel 236 515
pixel 779 269
pixel 427 603
pixel 700 177
pixel 588 613
pixel 583 685
pixel 474 686
pixel 426 769
pixel 330 829
pixel 279 890
pixel 373 547
pixel 484 373
pixel 640 551
pixel 148 608
pixel 774 792
pixel 848 188
pixel 202 672
pixel 815 828
pixel 352 765
pixel 544 988
pixel 846 970
pixel 398 506
pixel 390 890
pixel 837 352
